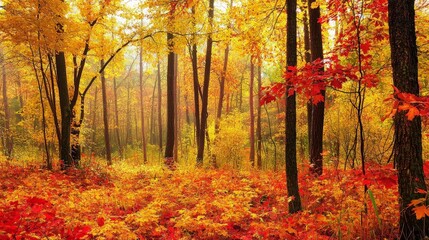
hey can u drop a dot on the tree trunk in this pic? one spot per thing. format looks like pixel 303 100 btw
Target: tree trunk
pixel 63 92
pixel 318 111
pixel 290 151
pixel 152 135
pixel 176 114
pixel 407 149
pixel 258 122
pixel 205 95
pixel 169 147
pixel 118 135
pixel 94 118
pixel 159 108
pixel 197 90
pixel 142 104
pixel 128 127
pixel 220 103
pixel 105 118
pixel 252 115
pixel 7 130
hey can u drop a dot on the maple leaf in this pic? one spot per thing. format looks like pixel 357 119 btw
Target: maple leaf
pixel 365 47
pixel 318 98
pixel 420 211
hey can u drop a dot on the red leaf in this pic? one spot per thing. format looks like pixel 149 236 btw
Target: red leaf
pixel 100 221
pixel 365 47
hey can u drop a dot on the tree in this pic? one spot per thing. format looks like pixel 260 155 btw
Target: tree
pixel 142 104
pixel 318 111
pixel 290 151
pixel 407 149
pixel 169 147
pixel 251 114
pixel 105 116
pixel 205 92
pixel 7 131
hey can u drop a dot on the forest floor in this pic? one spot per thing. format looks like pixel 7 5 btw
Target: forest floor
pixel 127 201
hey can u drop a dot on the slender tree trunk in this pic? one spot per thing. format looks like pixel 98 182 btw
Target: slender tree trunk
pixel 258 121
pixel 118 135
pixel 169 147
pixel 94 118
pixel 205 94
pixel 129 132
pixel 105 118
pixel 142 104
pixel 159 108
pixel 176 114
pixel 318 111
pixel 197 90
pixel 407 149
pixel 252 115
pixel 152 139
pixel 220 103
pixel 290 151
pixel 7 130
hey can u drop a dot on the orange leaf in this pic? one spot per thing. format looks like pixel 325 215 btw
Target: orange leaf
pixel 412 113
pixel 420 211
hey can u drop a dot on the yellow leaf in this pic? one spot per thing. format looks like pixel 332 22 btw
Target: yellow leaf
pixel 314 5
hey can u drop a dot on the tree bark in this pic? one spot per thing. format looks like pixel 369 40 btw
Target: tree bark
pixel 94 118
pixel 63 92
pixel 318 111
pixel 7 130
pixel 159 108
pixel 252 114
pixel 169 147
pixel 205 94
pixel 407 149
pixel 258 121
pixel 142 104
pixel 118 135
pixel 105 117
pixel 290 151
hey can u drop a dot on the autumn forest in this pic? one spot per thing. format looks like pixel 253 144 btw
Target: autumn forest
pixel 214 119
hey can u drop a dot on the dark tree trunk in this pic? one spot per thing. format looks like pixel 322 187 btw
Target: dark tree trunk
pixel 407 150
pixel 205 95
pixel 63 92
pixel 142 104
pixel 252 114
pixel 258 122
pixel 105 118
pixel 7 130
pixel 318 111
pixel 169 147
pixel 118 135
pixel 197 89
pixel 291 165
pixel 176 114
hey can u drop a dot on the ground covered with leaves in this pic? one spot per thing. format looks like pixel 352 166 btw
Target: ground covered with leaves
pixel 138 202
